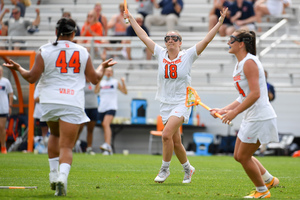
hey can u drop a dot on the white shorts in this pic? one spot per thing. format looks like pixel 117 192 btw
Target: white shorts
pixel 179 110
pixel 70 114
pixel 264 131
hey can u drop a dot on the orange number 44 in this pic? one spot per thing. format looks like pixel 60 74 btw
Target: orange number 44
pixel 74 62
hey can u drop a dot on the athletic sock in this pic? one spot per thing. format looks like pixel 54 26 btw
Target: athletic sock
pixel 64 168
pixel 261 189
pixel 165 164
pixel 267 177
pixel 186 165
pixel 53 163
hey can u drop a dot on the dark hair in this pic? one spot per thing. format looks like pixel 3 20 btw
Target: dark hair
pixel 249 38
pixel 65 26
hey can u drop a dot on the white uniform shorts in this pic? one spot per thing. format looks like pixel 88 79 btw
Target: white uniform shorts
pixel 179 110
pixel 264 131
pixel 70 114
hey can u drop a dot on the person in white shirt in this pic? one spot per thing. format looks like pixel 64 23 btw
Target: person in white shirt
pixel 6 100
pixel 108 106
pixel 174 75
pixel 61 67
pixel 259 125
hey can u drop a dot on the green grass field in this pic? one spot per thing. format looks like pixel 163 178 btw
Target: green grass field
pixel 131 177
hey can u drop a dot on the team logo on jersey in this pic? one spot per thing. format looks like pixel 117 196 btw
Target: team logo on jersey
pixel 67 45
pixel 237 77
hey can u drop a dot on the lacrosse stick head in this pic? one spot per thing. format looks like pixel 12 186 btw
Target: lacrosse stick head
pixel 192 98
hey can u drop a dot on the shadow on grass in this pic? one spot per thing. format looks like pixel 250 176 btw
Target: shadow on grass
pixel 168 184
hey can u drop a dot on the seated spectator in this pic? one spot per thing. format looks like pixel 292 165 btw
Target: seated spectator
pixel 101 18
pixel 91 28
pixel 117 22
pixel 145 7
pixel 67 14
pixel 269 7
pixel 169 16
pixel 21 5
pixel 242 16
pixel 131 33
pixel 215 14
pixel 17 25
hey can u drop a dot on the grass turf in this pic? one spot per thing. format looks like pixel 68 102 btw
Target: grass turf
pixel 131 177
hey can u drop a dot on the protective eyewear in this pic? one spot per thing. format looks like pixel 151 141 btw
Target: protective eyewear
pixel 175 38
pixel 233 39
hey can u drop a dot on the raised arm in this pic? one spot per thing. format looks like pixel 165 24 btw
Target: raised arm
pixel 140 32
pixel 37 20
pixel 200 46
pixel 122 86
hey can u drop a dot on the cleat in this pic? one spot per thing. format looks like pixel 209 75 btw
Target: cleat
pixel 106 147
pixel 61 185
pixel 53 175
pixel 162 175
pixel 3 150
pixel 188 175
pixel 273 183
pixel 90 151
pixel 258 195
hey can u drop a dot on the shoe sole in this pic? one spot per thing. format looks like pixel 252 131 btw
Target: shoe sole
pixel 60 187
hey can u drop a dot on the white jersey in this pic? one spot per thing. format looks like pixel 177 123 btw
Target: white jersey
pixel 91 99
pixel 261 109
pixel 5 89
pixel 174 75
pixel 63 79
pixel 108 95
pixel 37 108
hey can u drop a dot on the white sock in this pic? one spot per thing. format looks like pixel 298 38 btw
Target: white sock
pixel 267 177
pixel 261 189
pixel 186 165
pixel 53 163
pixel 64 168
pixel 166 164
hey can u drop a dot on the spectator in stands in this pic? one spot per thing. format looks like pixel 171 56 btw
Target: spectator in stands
pixel 174 69
pixel 169 16
pixel 91 110
pixel 215 14
pixel 92 28
pixel 130 32
pixel 67 14
pixel 242 16
pixel 271 90
pixel 17 25
pixel 108 92
pixel 117 22
pixel 6 101
pixel 269 7
pixel 145 7
pixel 62 95
pixel 21 5
pixel 101 18
pixel 37 114
pixel 259 125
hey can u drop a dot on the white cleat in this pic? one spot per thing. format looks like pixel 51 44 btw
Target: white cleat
pixel 162 175
pixel 188 174
pixel 61 185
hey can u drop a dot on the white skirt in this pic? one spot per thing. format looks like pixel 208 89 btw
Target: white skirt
pixel 179 110
pixel 70 114
pixel 264 131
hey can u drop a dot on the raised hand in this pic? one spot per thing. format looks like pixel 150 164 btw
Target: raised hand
pixel 223 15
